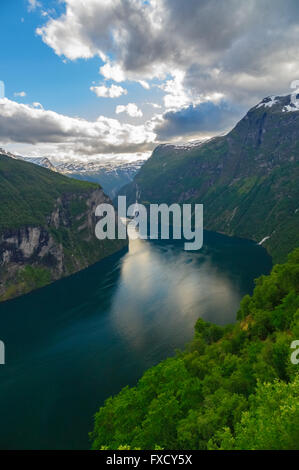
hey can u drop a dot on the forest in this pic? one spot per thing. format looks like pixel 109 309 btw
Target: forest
pixel 233 387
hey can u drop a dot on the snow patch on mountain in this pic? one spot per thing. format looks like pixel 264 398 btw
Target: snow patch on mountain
pixel 41 161
pixel 184 145
pixel 286 102
pixel 293 106
pixel 268 102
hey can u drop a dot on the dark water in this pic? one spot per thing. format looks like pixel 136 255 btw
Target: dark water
pixel 72 344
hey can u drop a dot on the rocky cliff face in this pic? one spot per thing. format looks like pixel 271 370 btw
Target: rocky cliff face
pixel 247 179
pixel 33 255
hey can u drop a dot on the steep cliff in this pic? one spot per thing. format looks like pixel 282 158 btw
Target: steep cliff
pixel 247 179
pixel 47 227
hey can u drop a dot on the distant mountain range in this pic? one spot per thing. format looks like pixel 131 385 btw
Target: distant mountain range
pixel 247 179
pixel 111 174
pixel 41 161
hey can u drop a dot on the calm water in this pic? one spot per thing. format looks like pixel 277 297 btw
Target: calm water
pixel 72 344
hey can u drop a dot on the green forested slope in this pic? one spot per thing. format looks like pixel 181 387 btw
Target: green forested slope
pixel 247 179
pixel 233 387
pixel 28 192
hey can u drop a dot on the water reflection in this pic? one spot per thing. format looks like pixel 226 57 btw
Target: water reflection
pixel 166 291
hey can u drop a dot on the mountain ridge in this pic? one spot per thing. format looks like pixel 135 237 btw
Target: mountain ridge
pixel 246 179
pixel 110 173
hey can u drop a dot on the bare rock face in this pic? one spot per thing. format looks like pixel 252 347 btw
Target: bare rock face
pixel 26 244
pixel 32 256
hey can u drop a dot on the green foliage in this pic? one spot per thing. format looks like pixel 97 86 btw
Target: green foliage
pixel 35 277
pixel 28 192
pixel 233 387
pixel 271 423
pixel 27 279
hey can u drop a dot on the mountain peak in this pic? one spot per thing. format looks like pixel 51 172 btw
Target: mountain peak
pixel 285 103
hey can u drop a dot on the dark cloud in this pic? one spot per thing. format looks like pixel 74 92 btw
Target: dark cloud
pixel 204 119
pixel 23 123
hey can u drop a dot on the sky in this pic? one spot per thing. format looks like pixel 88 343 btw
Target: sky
pixel 99 78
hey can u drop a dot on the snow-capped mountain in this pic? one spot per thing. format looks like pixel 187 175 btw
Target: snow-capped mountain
pixel 41 161
pixel 285 104
pixel 8 154
pixel 111 174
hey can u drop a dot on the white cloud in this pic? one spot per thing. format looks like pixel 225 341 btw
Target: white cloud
pixel 37 105
pixel 216 45
pixel 154 105
pixel 144 84
pixel 131 109
pixel 20 123
pixel 20 94
pixel 103 91
pixel 112 72
pixel 33 4
pixel 176 96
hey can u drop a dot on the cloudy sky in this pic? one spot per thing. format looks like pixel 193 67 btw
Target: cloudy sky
pixel 87 78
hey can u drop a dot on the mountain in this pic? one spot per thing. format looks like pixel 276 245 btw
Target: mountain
pixel 111 174
pixel 247 179
pixel 8 154
pixel 47 226
pixel 41 161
